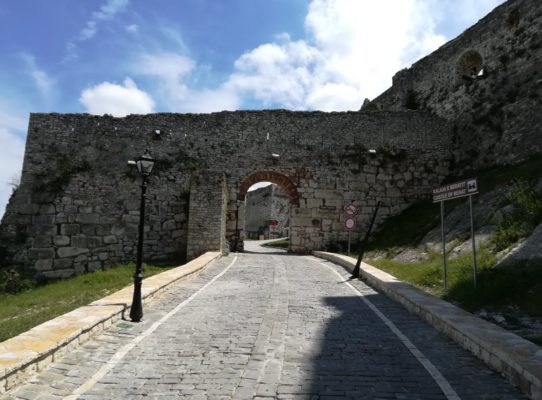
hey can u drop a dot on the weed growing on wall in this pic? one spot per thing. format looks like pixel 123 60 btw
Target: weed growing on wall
pixel 65 168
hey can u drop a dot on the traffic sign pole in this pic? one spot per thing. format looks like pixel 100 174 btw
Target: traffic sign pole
pixel 473 243
pixel 451 191
pixel 443 245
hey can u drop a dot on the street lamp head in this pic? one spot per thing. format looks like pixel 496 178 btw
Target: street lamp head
pixel 145 164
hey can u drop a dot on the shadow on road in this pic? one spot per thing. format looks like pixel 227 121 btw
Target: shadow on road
pixel 360 358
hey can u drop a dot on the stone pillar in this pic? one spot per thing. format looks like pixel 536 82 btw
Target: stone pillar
pixel 207 214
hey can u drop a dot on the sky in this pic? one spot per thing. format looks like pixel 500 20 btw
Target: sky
pixel 124 57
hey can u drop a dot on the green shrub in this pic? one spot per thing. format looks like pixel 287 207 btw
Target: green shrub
pixel 14 280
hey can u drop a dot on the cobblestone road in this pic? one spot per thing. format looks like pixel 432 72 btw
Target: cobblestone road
pixel 269 326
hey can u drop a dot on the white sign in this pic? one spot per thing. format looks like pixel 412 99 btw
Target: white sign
pixel 455 190
pixel 349 223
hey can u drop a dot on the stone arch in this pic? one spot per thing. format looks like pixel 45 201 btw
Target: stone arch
pixel 281 180
pixel 470 65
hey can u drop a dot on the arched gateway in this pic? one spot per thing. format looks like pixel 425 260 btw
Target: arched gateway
pixel 283 181
pixel 77 206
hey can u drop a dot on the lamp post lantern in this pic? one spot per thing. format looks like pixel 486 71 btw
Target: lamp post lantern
pixel 144 164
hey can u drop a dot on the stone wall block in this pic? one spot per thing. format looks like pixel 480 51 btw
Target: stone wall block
pixel 70 209
pixel 103 229
pixel 94 265
pixel 64 263
pixel 176 234
pixel 42 241
pixel 43 265
pixel 88 229
pixel 94 241
pixel 69 229
pixel 41 253
pixel 61 218
pixel 131 219
pixel 79 241
pixel 47 209
pixel 71 251
pixel 83 258
pixel 88 218
pixel 110 239
pixel 61 240
pixel 179 217
pixel 27 209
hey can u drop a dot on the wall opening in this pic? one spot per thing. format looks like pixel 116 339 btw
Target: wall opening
pixel 470 65
pixel 264 213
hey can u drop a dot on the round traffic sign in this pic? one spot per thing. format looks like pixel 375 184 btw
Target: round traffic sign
pixel 350 209
pixel 349 223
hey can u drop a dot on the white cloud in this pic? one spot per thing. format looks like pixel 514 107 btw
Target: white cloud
pixel 44 83
pixel 11 121
pixel 105 13
pixel 133 28
pixel 117 100
pixel 169 67
pixel 172 70
pixel 352 50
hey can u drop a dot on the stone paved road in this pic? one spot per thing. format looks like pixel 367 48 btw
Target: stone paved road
pixel 270 326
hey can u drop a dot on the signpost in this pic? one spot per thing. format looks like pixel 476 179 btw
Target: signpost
pixel 452 191
pixel 350 212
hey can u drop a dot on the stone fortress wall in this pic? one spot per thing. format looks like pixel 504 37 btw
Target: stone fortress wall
pixel 487 83
pixel 475 102
pixel 76 208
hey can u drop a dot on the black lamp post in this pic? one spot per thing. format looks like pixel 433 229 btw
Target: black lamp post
pixel 144 164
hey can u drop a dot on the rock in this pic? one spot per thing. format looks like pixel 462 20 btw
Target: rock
pixel 529 251
pixel 411 255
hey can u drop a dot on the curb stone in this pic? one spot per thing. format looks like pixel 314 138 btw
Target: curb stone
pixel 31 351
pixel 519 360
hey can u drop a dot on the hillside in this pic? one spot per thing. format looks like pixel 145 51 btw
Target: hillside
pixel 508 234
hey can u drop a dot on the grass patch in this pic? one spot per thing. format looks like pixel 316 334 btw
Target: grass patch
pixel 22 311
pixel 428 274
pixel 278 244
pixel 517 285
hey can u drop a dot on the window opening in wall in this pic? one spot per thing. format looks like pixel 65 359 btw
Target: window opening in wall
pixel 471 66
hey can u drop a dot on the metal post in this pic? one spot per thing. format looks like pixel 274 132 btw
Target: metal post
pixel 236 241
pixel 443 245
pixel 473 243
pixel 363 245
pixel 136 311
pixel 348 244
